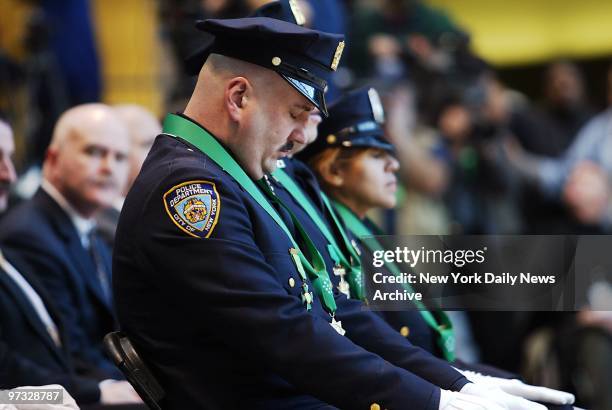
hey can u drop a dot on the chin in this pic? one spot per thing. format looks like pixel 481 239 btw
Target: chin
pixel 269 166
pixel 389 203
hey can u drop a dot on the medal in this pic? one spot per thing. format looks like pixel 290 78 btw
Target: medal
pixel 343 286
pixel 337 325
pixel 306 296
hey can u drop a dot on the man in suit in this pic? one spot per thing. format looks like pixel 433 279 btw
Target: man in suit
pixel 54 234
pixel 34 346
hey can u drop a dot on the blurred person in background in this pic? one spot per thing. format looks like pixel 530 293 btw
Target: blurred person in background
pixel 548 130
pixel 62 67
pixel 423 175
pixel 580 178
pixel 34 345
pixel 480 194
pixel 142 127
pixel 85 170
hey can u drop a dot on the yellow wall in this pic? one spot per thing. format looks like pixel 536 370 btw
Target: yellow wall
pixel 129 48
pixel 525 31
pixel 13 17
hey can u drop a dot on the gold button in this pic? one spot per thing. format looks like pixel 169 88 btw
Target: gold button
pixel 291 282
pixel 375 406
pixel 331 138
pixel 404 331
pixel 276 61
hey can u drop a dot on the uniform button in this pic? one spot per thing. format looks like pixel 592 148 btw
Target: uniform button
pixel 375 406
pixel 404 331
pixel 291 282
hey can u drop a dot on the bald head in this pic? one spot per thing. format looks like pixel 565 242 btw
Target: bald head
pixel 142 127
pixel 7 170
pixel 87 158
pixel 251 109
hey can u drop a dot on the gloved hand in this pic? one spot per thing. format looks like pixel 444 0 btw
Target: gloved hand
pixel 117 392
pixel 518 388
pixel 451 400
pixel 497 395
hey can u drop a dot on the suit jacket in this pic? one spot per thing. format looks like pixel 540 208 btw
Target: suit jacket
pixel 43 234
pixel 28 355
pixel 215 307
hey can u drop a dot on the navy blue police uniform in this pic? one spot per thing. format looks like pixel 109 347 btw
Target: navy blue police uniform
pixel 409 323
pixel 355 121
pixel 205 280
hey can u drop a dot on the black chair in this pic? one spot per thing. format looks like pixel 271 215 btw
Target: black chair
pixel 121 350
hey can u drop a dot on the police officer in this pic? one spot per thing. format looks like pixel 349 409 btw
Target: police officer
pixel 353 144
pixel 210 282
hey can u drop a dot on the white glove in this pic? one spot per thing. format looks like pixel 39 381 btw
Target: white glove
pixel 518 388
pixel 117 392
pixel 451 400
pixel 500 397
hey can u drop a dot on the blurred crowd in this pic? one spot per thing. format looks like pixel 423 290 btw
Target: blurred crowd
pixel 476 156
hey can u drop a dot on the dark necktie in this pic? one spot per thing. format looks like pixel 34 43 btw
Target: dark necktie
pixel 101 271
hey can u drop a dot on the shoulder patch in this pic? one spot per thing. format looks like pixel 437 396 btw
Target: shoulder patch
pixel 194 207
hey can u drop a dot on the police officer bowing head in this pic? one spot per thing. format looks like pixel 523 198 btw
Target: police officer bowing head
pixel 260 82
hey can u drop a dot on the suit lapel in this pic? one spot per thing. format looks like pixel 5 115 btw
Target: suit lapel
pixel 77 253
pixel 24 304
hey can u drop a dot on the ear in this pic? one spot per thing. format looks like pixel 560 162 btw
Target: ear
pixel 237 93
pixel 332 173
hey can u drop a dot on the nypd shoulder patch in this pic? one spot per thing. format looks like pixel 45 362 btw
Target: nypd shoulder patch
pixel 194 207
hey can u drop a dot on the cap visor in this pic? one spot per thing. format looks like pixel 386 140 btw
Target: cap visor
pixel 372 141
pixel 313 94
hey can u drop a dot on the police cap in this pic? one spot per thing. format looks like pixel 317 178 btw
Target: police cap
pixel 303 57
pixel 355 120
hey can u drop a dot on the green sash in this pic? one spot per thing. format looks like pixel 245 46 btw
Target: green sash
pixel 443 328
pixel 181 128
pixel 352 266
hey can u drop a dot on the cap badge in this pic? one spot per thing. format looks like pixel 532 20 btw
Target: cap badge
pixel 297 12
pixel 337 55
pixel 377 108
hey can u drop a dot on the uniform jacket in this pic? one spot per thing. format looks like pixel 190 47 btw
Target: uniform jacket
pixel 406 321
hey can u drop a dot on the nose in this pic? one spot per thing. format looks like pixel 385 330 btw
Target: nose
pixel 393 164
pixel 109 163
pixel 7 170
pixel 298 135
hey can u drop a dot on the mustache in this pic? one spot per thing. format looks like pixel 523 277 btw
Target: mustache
pixel 287 147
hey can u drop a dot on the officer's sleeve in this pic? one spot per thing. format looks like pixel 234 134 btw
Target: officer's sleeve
pixel 374 334
pixel 227 279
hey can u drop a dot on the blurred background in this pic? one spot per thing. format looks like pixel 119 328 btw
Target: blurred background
pixel 501 112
